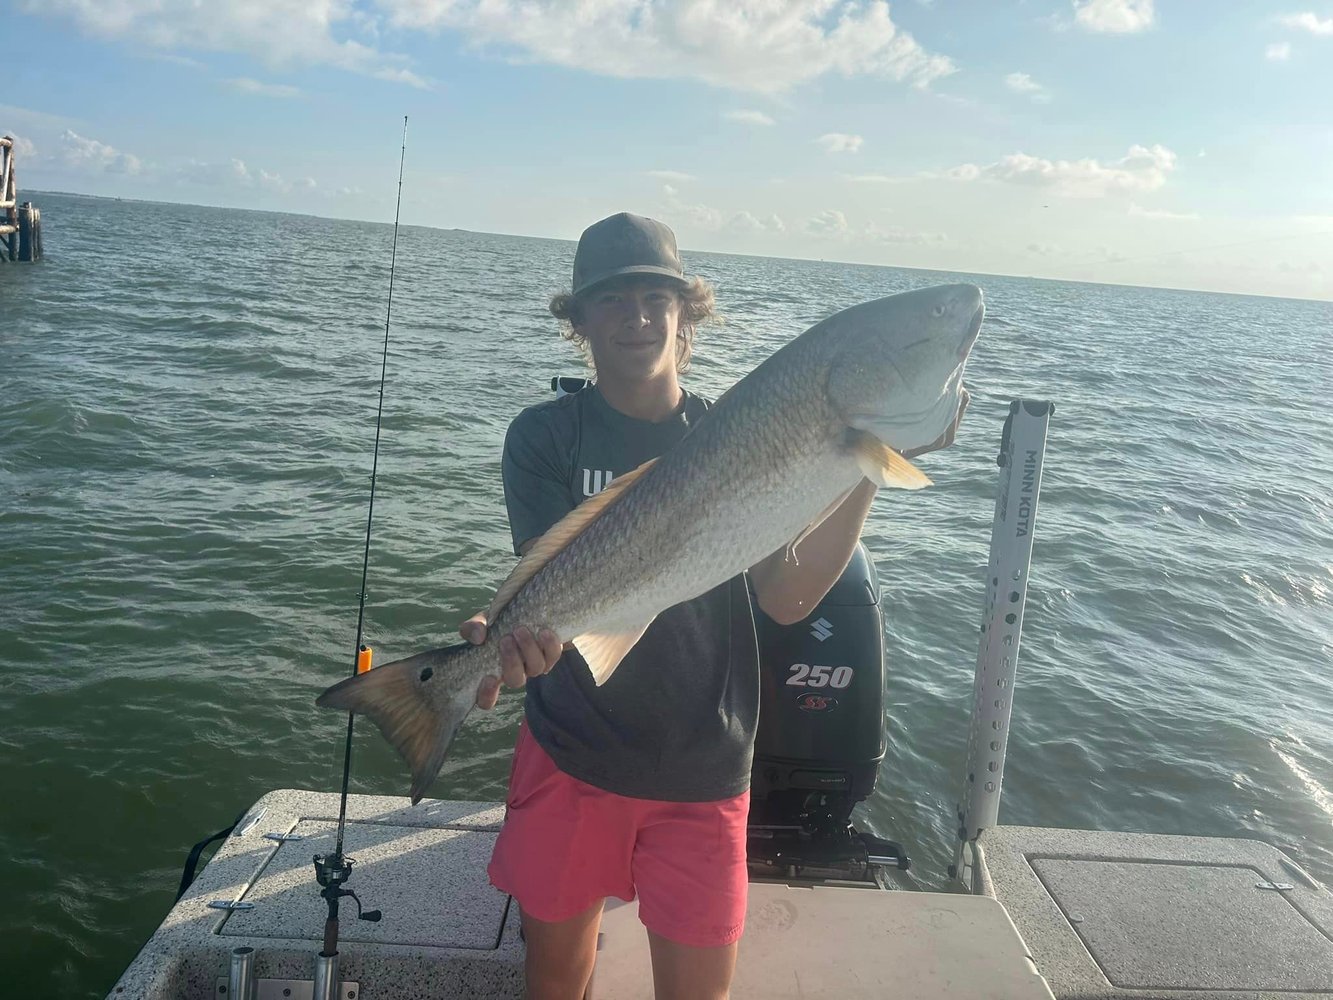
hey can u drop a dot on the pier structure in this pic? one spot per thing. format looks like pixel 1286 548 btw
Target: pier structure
pixel 20 225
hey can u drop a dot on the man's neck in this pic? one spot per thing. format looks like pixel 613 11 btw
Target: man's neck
pixel 653 399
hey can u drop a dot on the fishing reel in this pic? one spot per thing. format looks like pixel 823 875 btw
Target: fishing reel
pixel 331 871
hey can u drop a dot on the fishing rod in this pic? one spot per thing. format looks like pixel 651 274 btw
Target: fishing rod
pixel 332 870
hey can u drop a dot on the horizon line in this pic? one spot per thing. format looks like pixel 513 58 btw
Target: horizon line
pixel 721 253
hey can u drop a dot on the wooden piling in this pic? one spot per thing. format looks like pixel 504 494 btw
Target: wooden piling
pixel 8 196
pixel 30 233
pixel 20 228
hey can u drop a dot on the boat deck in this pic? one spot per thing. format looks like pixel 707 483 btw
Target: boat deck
pixel 446 932
pixel 1115 916
pixel 1067 914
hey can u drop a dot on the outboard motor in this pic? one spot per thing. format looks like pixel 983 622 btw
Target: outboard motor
pixel 821 736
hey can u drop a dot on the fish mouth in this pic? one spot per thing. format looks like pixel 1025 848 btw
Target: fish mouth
pixel 973 330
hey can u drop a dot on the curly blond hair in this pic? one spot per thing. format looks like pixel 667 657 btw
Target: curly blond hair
pixel 697 306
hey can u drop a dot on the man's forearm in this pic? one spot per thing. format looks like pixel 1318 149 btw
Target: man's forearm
pixel 788 586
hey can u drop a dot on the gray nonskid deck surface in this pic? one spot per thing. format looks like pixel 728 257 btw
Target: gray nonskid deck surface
pixel 1117 915
pixel 837 943
pixel 445 931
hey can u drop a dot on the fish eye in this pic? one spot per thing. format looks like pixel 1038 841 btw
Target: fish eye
pixel 938 311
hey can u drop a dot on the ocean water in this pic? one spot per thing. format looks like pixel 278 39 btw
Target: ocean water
pixel 187 402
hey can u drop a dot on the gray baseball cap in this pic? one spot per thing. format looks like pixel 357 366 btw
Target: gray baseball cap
pixel 625 244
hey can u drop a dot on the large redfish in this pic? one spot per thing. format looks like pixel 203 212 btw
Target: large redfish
pixel 777 453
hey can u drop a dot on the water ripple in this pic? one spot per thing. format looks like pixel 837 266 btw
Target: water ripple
pixel 184 456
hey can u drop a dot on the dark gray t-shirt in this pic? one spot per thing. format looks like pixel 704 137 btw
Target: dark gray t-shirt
pixel 676 721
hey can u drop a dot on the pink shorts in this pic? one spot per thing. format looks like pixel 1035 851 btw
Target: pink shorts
pixel 566 844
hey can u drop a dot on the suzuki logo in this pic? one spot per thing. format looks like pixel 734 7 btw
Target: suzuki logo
pixel 821 629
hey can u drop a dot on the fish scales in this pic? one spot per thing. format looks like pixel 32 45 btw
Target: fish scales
pixel 676 533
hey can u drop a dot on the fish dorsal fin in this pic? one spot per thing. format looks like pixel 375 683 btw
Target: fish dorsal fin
pixel 603 651
pixel 560 535
pixel 883 466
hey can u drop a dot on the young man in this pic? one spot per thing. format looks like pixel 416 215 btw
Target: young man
pixel 639 787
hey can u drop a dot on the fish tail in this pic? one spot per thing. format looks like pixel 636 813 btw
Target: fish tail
pixel 402 700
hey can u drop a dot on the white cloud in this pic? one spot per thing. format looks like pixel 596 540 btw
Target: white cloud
pixel 744 223
pixel 1114 16
pixel 828 223
pixel 23 148
pixel 278 32
pixel 236 173
pixel 875 179
pixel 1152 213
pixel 1142 169
pixel 698 216
pixel 1023 84
pixel 1308 21
pixel 673 176
pixel 756 45
pixel 1278 51
pixel 233 172
pixel 244 85
pixel 834 225
pixel 273 182
pixel 93 156
pixel 896 234
pixel 748 117
pixel 970 171
pixel 840 142
pixel 679 214
pixel 763 46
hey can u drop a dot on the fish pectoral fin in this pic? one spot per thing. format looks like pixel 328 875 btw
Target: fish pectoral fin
pixel 884 466
pixel 603 651
pixel 560 535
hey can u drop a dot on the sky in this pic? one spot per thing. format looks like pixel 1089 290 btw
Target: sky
pixel 1179 143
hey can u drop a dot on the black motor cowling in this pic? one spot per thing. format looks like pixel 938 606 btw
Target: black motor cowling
pixel 821 734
